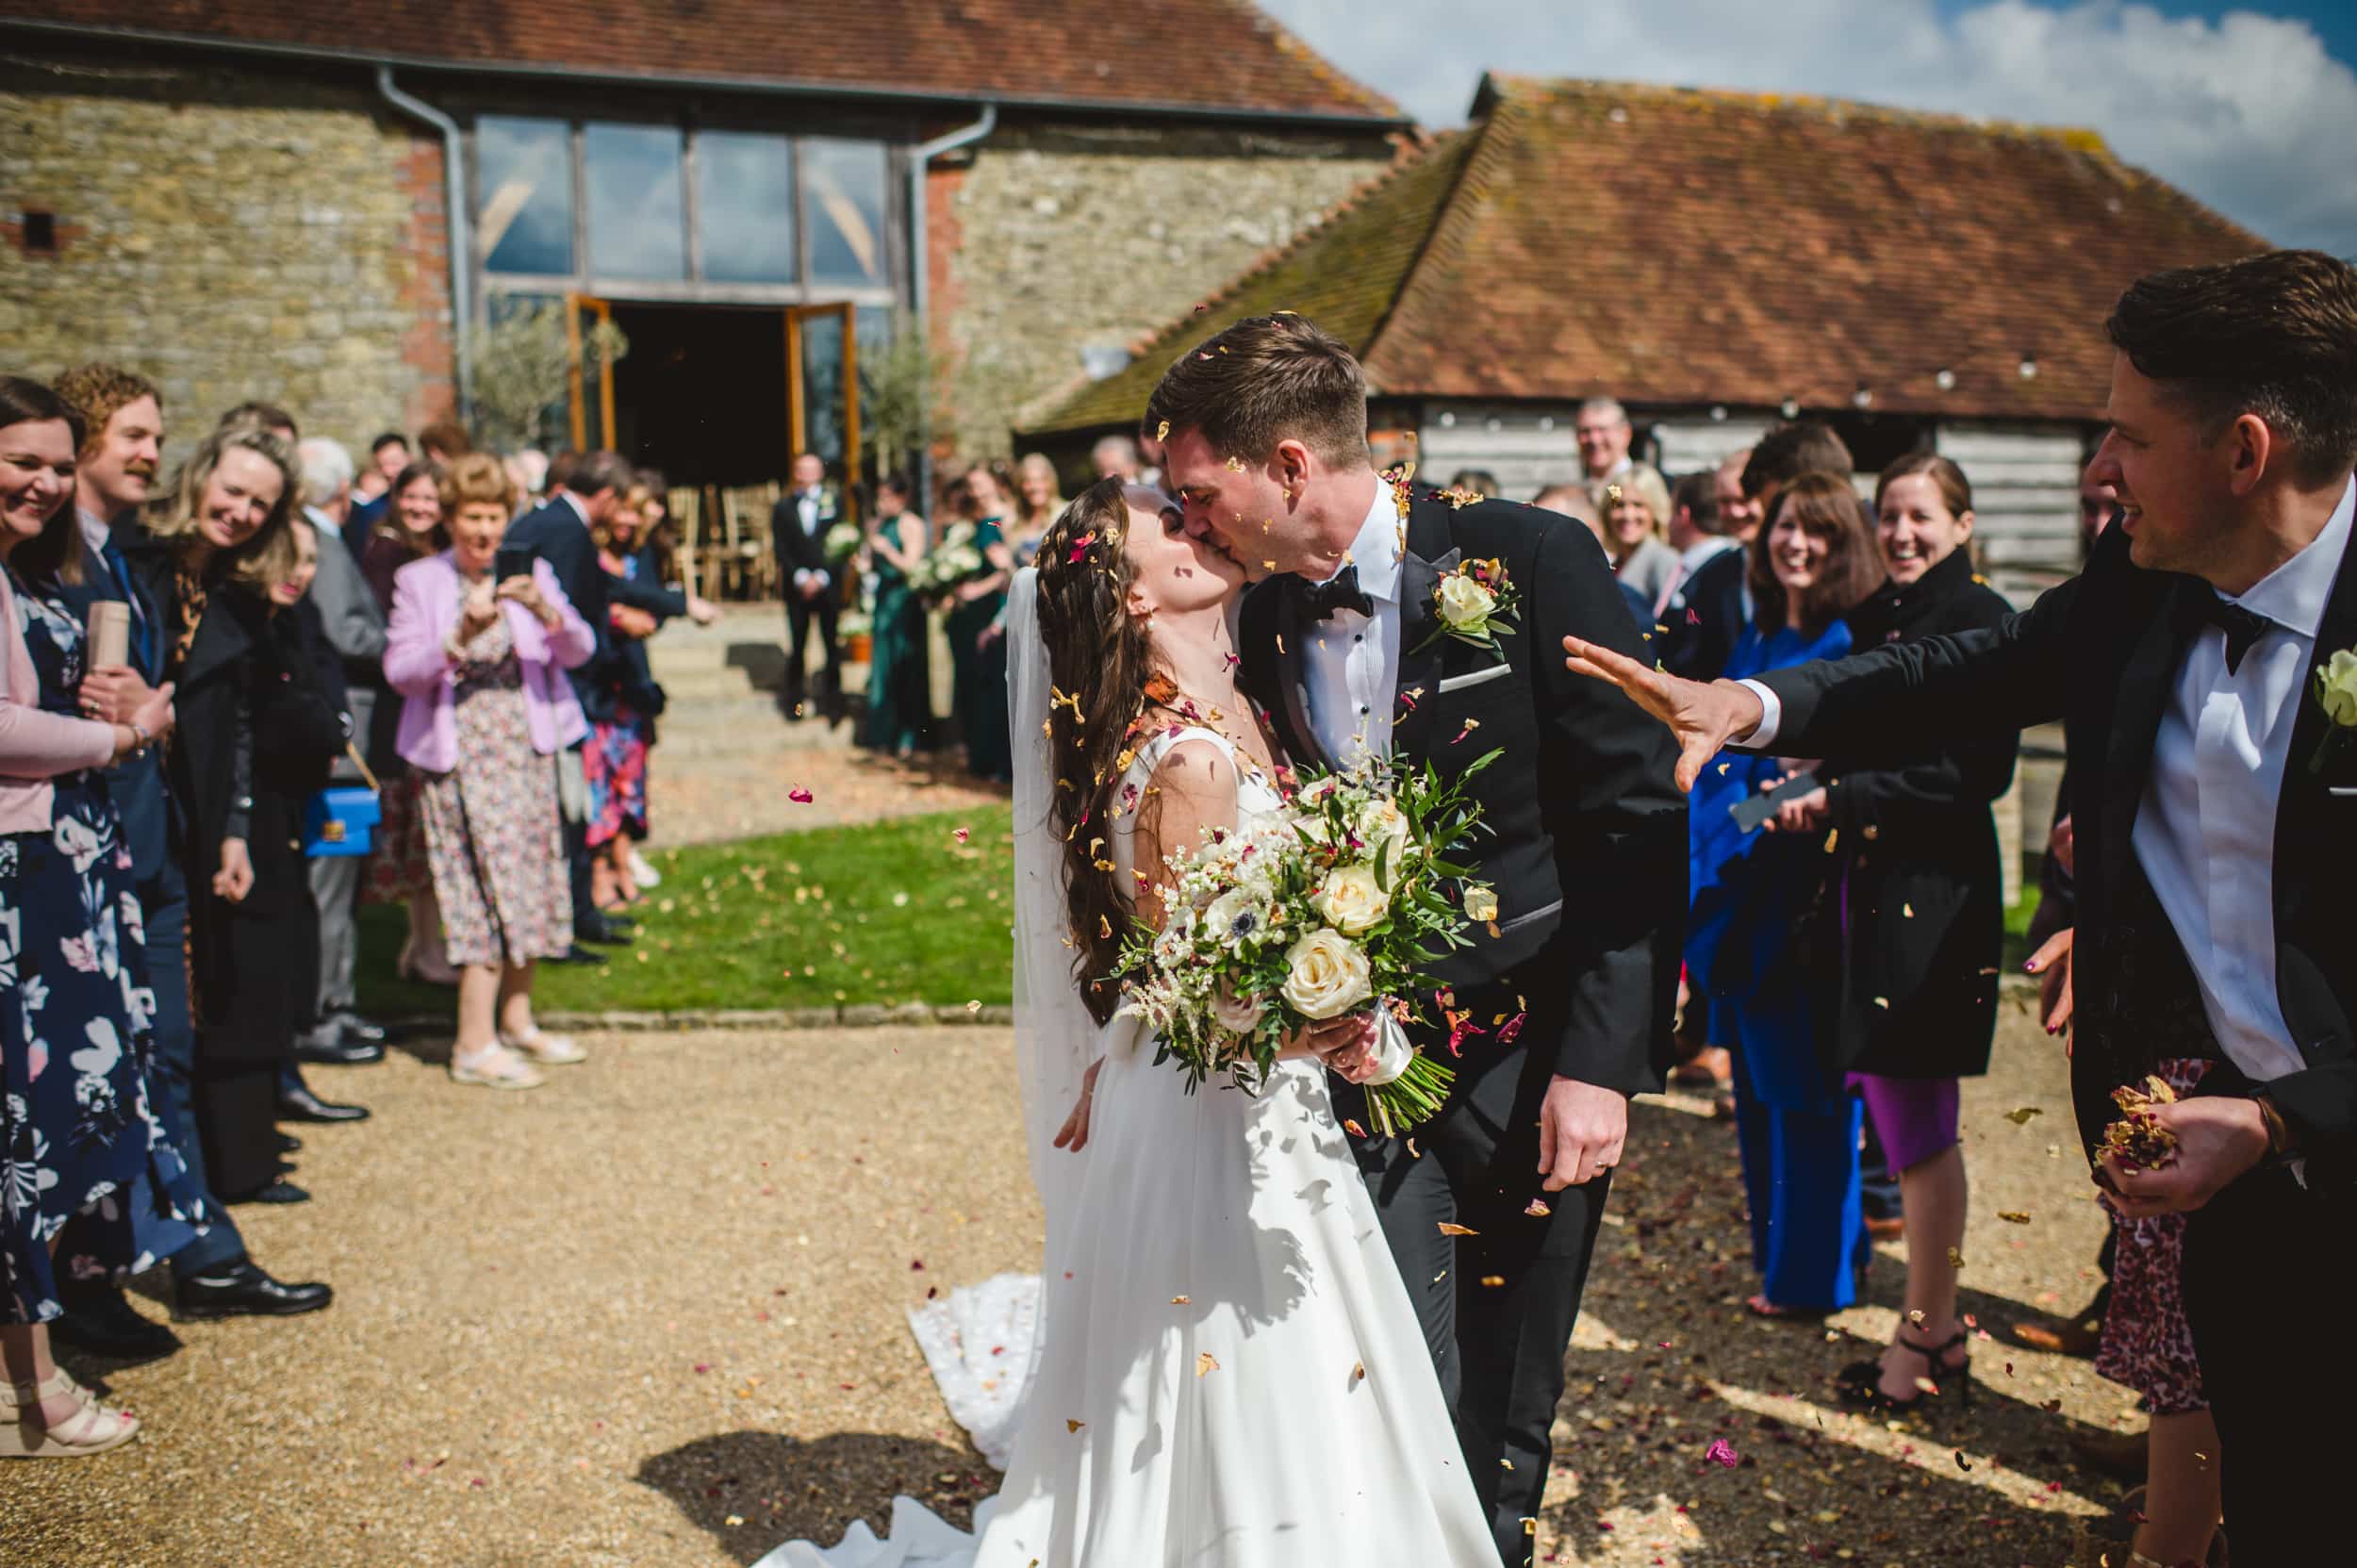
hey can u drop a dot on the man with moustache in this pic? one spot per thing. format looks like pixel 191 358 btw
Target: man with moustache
pixel 213 1276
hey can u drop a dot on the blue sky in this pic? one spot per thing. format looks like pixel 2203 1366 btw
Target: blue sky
pixel 2251 108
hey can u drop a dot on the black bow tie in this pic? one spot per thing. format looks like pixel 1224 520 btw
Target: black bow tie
pixel 1320 600
pixel 2242 628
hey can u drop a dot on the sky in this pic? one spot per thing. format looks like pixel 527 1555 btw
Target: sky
pixel 2250 111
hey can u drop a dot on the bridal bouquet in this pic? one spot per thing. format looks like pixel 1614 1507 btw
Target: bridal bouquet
pixel 1342 901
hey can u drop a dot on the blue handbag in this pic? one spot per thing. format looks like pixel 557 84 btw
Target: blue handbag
pixel 341 819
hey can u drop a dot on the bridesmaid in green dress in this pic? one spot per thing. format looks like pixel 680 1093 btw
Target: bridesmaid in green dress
pixel 899 679
pixel 978 660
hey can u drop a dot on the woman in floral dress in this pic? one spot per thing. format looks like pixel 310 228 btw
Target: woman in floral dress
pixel 75 1130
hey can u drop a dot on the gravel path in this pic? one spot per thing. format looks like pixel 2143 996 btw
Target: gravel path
pixel 652 1314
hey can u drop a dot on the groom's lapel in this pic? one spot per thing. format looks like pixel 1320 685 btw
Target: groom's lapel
pixel 1292 634
pixel 1428 555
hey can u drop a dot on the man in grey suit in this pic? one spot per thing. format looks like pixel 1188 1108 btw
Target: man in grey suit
pixel 355 629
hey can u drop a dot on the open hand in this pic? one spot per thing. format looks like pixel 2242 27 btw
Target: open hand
pixel 235 879
pixel 1074 1135
pixel 2218 1137
pixel 2051 964
pixel 1581 1130
pixel 1703 717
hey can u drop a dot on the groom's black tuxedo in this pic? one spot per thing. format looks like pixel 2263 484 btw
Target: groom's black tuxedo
pixel 1587 852
pixel 2105 652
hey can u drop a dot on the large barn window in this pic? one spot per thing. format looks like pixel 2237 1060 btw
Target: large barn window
pixel 745 206
pixel 843 200
pixel 634 176
pixel 525 172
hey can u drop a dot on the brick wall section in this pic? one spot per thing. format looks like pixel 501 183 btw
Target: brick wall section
pixel 254 236
pixel 1066 237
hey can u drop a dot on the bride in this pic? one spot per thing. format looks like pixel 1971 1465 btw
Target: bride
pixel 1228 1370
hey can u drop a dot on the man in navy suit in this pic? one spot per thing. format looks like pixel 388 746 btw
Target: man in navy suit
pixel 213 1276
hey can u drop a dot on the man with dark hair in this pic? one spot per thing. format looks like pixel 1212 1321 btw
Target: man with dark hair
pixel 797 537
pixel 213 1276
pixel 443 440
pixel 2201 663
pixel 1265 444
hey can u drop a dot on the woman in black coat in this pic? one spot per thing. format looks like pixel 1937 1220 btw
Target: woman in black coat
pixel 1905 948
pixel 209 556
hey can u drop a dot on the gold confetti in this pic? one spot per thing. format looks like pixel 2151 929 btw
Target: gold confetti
pixel 1833 836
pixel 1449 1230
pixel 1235 465
pixel 1181 1300
pixel 1956 1258
pixel 1071 1425
pixel 1358 1373
pixel 974 1007
pixel 2020 1116
pixel 1206 1362
pixel 1162 432
pixel 1537 1209
pixel 1493 1280
pixel 2013 1216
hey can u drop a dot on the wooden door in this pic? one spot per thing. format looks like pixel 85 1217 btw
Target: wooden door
pixel 591 393
pixel 822 388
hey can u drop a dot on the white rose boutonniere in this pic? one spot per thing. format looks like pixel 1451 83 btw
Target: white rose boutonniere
pixel 1472 604
pixel 1326 976
pixel 2336 693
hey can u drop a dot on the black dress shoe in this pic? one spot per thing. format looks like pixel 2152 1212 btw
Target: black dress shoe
pixel 243 1289
pixel 290 1144
pixel 104 1324
pixel 276 1191
pixel 341 1050
pixel 301 1105
pixel 604 930
pixel 576 954
pixel 356 1028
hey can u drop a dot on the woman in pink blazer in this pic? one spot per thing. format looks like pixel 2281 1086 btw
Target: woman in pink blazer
pixel 486 707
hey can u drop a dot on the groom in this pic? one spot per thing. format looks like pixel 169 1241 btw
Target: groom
pixel 1562 1008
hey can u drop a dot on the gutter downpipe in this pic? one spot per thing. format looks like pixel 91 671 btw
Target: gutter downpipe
pixel 920 270
pixel 454 224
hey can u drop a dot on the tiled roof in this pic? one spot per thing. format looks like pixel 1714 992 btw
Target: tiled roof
pixel 1673 246
pixel 1145 54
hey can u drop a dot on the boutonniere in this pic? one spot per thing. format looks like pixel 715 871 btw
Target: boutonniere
pixel 2336 693
pixel 1471 603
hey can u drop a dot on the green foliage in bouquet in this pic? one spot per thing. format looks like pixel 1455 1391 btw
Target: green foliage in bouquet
pixel 1342 903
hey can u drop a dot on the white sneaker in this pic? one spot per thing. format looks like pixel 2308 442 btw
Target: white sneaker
pixel 643 874
pixel 492 1068
pixel 549 1050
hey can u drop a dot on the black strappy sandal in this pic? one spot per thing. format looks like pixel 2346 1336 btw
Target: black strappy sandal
pixel 1860 1383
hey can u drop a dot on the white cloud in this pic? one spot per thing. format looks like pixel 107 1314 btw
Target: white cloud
pixel 2247 114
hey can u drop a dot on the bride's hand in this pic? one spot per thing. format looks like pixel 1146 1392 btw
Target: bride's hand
pixel 1345 1045
pixel 1075 1132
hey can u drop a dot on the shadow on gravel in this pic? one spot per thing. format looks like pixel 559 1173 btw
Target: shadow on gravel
pixel 753 1490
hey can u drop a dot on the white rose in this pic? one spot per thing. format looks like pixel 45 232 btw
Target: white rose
pixel 2336 688
pixel 1465 604
pixel 1481 903
pixel 1326 975
pixel 1237 1014
pixel 1384 827
pixel 1352 899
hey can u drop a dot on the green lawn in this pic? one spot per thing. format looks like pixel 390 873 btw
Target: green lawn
pixel 2017 927
pixel 884 913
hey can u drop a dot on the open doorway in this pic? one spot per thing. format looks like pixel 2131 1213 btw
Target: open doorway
pixel 702 393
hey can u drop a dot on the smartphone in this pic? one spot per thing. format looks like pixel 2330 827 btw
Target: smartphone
pixel 510 561
pixel 1751 811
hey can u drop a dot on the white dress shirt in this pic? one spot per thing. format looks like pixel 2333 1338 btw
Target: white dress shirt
pixel 806 508
pixel 322 524
pixel 1351 665
pixel 2206 827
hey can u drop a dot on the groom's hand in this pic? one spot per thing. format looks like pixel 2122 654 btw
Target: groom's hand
pixel 1581 1128
pixel 1704 718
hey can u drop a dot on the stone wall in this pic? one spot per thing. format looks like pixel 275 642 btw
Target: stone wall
pixel 1057 238
pixel 232 236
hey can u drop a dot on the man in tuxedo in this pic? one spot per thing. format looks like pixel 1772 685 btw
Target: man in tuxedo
pixel 559 533
pixel 2211 796
pixel 798 534
pixel 1561 1009
pixel 213 1276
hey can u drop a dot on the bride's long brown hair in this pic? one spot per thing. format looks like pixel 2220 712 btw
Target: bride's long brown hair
pixel 1101 661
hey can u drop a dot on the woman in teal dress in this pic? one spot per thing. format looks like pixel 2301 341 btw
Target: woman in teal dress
pixel 978 659
pixel 899 669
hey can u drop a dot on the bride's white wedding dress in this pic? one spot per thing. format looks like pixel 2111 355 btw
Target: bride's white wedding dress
pixel 1229 1371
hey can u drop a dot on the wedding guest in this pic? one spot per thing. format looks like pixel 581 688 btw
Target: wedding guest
pixel 444 442
pixel 1480 482
pixel 487 707
pixel 387 456
pixel 1572 501
pixel 416 527
pixel 528 470
pixel 1797 1125
pixel 1603 430
pixel 265 417
pixel 1036 505
pixel 1714 608
pixel 208 556
pixel 1739 513
pixel 1908 958
pixel 1635 513
pixel 79 1130
pixel 1115 457
pixel 799 525
pixel 613 760
pixel 900 684
pixel 353 624
pixel 979 664
pixel 2198 663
